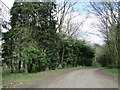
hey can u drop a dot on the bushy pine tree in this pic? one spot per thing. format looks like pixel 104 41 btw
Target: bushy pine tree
pixel 33 44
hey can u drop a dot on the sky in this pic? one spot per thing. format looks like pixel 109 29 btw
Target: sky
pixel 87 31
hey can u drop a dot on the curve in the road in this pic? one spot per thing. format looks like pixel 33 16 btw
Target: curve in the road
pixel 84 78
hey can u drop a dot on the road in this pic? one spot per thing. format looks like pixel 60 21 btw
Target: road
pixel 84 78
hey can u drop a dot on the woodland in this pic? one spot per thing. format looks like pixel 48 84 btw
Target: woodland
pixel 35 42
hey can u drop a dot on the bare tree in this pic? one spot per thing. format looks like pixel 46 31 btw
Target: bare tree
pixel 65 19
pixel 109 15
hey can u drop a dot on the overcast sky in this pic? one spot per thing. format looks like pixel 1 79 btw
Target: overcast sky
pixel 86 29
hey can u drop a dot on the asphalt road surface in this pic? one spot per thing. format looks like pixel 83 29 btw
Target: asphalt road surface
pixel 84 78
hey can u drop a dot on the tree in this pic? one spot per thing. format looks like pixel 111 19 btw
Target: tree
pixel 108 13
pixel 33 43
pixel 29 28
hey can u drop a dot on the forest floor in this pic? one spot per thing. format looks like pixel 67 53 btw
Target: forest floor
pixel 79 77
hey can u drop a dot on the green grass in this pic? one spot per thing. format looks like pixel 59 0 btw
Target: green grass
pixel 95 64
pixel 112 71
pixel 13 80
pixel 10 80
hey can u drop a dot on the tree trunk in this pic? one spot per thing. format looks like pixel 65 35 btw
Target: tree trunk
pixel 63 55
pixel 11 63
pixel 19 67
pixel 62 58
pixel 26 68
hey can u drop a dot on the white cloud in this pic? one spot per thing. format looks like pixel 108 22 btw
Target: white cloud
pixel 89 31
pixel 91 27
pixel 9 3
pixel 5 6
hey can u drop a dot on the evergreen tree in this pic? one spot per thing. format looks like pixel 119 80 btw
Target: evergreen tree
pixel 33 44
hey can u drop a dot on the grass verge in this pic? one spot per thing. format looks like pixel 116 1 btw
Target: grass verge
pixel 112 72
pixel 19 79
